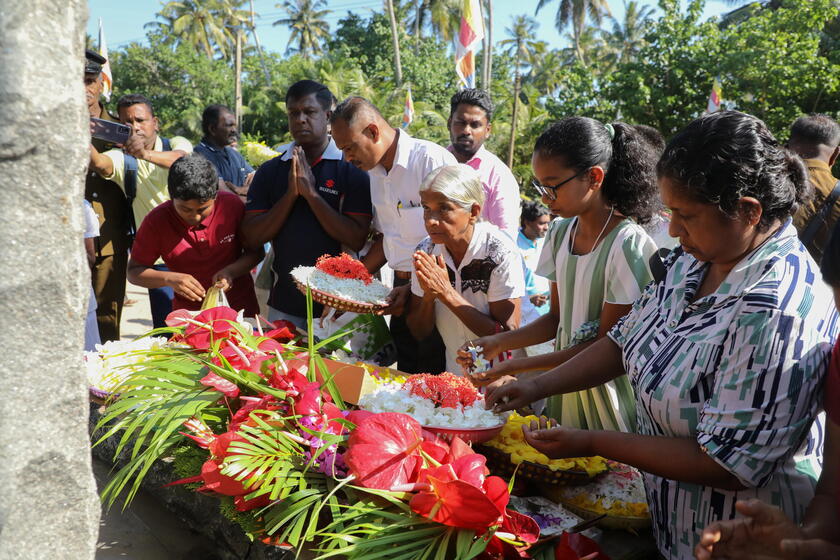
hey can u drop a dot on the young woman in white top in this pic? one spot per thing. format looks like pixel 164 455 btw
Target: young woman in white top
pixel 468 277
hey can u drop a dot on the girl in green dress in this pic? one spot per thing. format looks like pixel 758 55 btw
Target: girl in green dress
pixel 601 180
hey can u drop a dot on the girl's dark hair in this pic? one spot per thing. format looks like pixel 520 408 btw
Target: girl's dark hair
pixel 722 157
pixel 531 210
pixel 628 159
pixel 830 263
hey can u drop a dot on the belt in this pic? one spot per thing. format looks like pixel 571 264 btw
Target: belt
pixel 402 275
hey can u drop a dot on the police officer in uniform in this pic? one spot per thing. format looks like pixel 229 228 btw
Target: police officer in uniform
pixel 111 208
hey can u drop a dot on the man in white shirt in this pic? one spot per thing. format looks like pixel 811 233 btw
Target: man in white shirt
pixel 396 164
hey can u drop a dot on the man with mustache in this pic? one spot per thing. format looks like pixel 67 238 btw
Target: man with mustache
pixel 308 201
pixel 219 126
pixel 146 177
pixel 471 111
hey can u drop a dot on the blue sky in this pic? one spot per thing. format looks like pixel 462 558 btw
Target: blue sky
pixel 123 21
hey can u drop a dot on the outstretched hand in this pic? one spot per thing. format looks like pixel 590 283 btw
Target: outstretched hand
pixel 555 441
pixel 758 535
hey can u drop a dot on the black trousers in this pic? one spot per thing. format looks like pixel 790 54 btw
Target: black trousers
pixel 413 356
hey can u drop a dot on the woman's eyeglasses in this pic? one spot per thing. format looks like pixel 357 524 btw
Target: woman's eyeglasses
pixel 551 192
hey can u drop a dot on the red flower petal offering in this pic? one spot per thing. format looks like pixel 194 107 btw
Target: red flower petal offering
pixel 446 390
pixel 209 326
pixel 344 266
pixel 383 451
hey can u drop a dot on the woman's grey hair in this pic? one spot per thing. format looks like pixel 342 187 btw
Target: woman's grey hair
pixel 459 183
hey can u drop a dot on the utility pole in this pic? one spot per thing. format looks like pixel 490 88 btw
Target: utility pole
pixel 237 103
pixel 259 48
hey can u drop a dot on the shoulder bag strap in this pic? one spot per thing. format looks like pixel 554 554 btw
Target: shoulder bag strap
pixel 130 166
pixel 819 218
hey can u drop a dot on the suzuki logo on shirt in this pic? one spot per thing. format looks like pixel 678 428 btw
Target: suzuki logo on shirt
pixel 328 187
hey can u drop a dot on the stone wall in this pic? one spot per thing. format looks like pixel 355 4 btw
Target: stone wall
pixel 48 505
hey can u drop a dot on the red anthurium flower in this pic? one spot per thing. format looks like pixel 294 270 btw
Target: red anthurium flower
pixel 435 447
pixel 521 526
pixel 217 482
pixel 293 383
pixel 469 468
pixel 269 346
pixel 201 432
pixel 221 384
pixel 216 323
pixel 178 318
pixel 219 447
pixel 309 403
pixel 457 503
pixel 578 547
pixel 283 331
pixel 359 416
pixel 497 549
pixel 382 452
pixel 242 504
pixel 250 404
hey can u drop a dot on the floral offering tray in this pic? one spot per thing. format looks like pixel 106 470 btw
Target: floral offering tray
pixel 499 463
pixel 610 521
pixel 339 303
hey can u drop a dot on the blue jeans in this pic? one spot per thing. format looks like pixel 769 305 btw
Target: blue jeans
pixel 160 300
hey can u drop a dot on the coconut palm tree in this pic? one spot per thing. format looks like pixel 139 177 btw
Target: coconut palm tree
pixel 208 25
pixel 309 29
pixel 442 16
pixel 573 13
pixel 395 38
pixel 520 47
pixel 627 37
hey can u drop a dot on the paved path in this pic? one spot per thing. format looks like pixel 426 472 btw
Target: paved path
pixel 145 530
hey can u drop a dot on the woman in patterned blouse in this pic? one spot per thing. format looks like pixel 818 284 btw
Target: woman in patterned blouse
pixel 765 531
pixel 726 353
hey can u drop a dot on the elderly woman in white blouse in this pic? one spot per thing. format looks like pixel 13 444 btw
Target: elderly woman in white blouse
pixel 468 275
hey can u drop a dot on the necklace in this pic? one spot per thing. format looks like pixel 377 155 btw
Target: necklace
pixel 597 239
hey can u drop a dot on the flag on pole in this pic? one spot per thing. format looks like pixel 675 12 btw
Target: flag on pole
pixel 469 37
pixel 408 111
pixel 715 98
pixel 107 81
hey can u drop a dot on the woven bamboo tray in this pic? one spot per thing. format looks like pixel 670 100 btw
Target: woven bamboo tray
pixel 610 521
pixel 499 462
pixel 338 303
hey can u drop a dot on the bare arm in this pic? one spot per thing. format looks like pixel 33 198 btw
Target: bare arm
pixel 669 457
pixel 163 159
pixel 350 230
pixel 821 519
pixel 90 250
pixel 147 277
pixel 241 266
pixel 101 163
pixel 375 257
pixel 257 228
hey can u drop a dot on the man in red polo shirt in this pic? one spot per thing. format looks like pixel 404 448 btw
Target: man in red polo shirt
pixel 196 233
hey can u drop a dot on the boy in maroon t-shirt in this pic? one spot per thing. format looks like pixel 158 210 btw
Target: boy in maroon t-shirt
pixel 196 233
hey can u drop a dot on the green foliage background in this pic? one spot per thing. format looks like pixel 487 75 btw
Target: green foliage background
pixel 775 63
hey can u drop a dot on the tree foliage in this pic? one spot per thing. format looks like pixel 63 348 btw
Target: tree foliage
pixel 775 59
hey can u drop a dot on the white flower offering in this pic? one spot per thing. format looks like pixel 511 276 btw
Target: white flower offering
pixel 113 362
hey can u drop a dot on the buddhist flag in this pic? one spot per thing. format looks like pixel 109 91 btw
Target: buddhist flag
pixel 408 110
pixel 716 97
pixel 469 37
pixel 107 81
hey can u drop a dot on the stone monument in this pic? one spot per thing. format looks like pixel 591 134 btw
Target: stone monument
pixel 48 503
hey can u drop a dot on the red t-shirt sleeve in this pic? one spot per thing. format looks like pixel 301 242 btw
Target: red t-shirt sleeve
pixel 145 249
pixel 832 386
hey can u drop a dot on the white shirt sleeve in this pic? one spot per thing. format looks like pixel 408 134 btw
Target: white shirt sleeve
pixel 91 221
pixel 507 281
